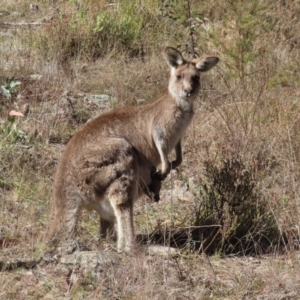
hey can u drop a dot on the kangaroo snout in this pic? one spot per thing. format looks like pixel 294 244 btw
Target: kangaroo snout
pixel 188 92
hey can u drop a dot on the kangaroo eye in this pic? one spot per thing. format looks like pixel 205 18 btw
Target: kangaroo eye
pixel 178 77
pixel 195 78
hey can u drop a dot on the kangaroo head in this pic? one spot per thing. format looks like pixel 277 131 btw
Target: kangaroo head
pixel 184 83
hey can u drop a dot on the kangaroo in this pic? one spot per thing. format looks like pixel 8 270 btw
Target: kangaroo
pixel 109 163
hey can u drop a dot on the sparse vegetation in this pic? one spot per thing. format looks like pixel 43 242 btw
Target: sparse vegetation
pixel 231 198
pixel 237 192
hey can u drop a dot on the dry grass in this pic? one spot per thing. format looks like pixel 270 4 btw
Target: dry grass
pixel 148 277
pixel 249 109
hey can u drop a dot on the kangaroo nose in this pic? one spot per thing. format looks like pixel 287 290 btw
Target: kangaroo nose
pixel 188 92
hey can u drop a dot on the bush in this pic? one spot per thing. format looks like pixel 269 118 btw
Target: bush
pixel 97 29
pixel 233 216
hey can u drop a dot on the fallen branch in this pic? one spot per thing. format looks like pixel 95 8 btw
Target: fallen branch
pixel 22 23
pixel 24 264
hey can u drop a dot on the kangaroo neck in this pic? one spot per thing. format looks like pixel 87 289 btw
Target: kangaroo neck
pixel 183 105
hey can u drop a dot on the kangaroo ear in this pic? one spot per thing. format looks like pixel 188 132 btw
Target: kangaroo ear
pixel 206 63
pixel 173 57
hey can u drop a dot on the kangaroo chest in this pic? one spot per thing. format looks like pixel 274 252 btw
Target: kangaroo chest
pixel 175 129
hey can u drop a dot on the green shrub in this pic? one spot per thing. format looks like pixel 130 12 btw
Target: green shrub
pixel 95 30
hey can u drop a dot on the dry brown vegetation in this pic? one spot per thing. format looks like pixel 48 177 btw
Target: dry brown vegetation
pixel 236 195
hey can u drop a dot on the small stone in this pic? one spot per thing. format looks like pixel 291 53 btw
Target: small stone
pixel 34 7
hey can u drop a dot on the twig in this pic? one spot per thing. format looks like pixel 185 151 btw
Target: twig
pixel 191 31
pixel 202 226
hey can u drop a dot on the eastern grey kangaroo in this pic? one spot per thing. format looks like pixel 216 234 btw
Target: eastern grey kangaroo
pixel 110 161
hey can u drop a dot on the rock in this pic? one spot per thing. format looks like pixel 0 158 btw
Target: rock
pixel 162 250
pixel 180 188
pixel 192 184
pixel 102 101
pixel 36 76
pixel 87 259
pixel 71 246
pixel 90 262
